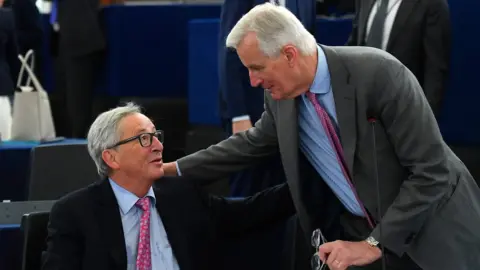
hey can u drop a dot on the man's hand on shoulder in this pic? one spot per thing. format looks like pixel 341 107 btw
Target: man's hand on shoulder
pixel 170 169
pixel 339 255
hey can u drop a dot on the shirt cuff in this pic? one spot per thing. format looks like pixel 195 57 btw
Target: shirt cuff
pixel 240 118
pixel 178 169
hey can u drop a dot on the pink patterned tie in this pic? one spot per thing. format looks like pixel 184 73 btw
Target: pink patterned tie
pixel 144 262
pixel 335 141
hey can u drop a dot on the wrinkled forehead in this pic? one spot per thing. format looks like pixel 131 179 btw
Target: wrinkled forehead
pixel 249 39
pixel 249 52
pixel 135 124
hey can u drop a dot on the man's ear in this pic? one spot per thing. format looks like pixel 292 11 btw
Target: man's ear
pixel 290 53
pixel 109 157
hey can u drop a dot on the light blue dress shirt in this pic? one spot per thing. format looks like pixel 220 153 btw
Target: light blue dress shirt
pixel 314 142
pixel 162 254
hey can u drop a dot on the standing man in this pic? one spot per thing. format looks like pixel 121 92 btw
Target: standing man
pixel 416 32
pixel 361 149
pixel 29 29
pixel 81 46
pixel 241 104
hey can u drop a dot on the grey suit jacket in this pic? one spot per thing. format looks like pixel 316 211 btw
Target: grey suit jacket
pixel 430 202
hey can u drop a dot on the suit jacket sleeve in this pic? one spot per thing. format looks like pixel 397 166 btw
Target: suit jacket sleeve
pixel 236 216
pixel 437 45
pixel 64 246
pixel 233 76
pixel 413 131
pixel 235 153
pixel 353 38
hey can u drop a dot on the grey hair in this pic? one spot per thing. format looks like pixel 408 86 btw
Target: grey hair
pixel 275 27
pixel 104 133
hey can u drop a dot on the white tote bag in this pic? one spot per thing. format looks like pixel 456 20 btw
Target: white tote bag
pixel 5 118
pixel 32 115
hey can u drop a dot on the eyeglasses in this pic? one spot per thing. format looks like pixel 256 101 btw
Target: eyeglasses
pixel 145 139
pixel 317 240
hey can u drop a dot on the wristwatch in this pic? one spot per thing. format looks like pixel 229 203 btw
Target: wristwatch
pixel 372 241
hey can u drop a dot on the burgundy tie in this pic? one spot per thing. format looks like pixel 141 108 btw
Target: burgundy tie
pixel 337 146
pixel 144 261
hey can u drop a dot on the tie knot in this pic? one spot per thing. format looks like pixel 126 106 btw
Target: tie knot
pixel 144 203
pixel 311 96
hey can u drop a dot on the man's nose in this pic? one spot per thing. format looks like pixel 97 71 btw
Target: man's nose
pixel 254 81
pixel 158 144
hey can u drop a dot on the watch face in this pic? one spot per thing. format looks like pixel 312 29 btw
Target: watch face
pixel 370 240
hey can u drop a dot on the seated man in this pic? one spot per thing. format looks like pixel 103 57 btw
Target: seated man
pixel 124 223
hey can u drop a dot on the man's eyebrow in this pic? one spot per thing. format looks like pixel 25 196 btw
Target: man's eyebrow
pixel 140 131
pixel 143 130
pixel 254 66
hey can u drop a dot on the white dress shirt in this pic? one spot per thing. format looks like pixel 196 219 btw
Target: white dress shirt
pixel 392 10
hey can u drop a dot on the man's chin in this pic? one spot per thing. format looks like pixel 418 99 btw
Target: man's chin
pixel 275 96
pixel 159 173
pixel 279 97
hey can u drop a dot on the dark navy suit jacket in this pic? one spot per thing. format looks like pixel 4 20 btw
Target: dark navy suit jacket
pixel 28 24
pixel 9 64
pixel 237 97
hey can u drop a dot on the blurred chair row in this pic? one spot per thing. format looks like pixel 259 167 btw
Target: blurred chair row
pixel 34 227
pixel 55 171
pixel 59 169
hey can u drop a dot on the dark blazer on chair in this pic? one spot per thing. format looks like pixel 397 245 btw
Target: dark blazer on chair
pixel 237 96
pixel 85 229
pixel 9 63
pixel 420 38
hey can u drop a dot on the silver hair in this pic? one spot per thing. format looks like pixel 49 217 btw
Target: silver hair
pixel 275 27
pixel 104 133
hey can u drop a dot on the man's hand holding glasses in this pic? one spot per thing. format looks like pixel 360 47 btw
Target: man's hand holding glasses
pixel 339 255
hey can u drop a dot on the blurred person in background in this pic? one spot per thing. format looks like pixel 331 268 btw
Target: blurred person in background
pixel 9 63
pixel 29 30
pixel 335 7
pixel 9 67
pixel 241 105
pixel 418 33
pixel 78 44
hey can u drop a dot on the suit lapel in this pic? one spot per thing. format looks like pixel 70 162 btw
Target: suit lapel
pixel 288 136
pixel 363 19
pixel 110 224
pixel 177 237
pixel 288 142
pixel 344 96
pixel 406 7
